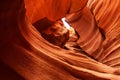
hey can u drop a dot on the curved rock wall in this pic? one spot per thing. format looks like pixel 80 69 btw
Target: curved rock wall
pixel 38 9
pixel 24 50
pixel 107 15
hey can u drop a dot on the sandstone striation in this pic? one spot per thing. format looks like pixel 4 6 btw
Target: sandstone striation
pixel 26 55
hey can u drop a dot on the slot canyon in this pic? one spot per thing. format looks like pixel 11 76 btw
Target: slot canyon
pixel 59 39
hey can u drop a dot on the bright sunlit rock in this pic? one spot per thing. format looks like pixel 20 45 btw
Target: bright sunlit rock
pixel 71 30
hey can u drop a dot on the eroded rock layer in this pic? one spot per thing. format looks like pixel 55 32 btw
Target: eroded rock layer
pixel 107 15
pixel 25 51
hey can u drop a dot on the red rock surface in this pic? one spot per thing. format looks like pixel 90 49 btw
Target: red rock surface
pixel 29 56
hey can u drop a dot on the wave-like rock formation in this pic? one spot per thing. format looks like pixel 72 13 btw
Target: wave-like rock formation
pixel 26 55
pixel 107 16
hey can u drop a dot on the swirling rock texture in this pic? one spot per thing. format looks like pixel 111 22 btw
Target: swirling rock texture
pixel 107 15
pixel 26 55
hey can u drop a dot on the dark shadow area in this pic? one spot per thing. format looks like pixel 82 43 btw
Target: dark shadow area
pixel 6 73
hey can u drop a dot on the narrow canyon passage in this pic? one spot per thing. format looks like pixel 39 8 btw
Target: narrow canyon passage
pixel 60 40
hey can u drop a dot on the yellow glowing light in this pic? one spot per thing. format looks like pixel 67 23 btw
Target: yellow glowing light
pixel 71 30
pixel 65 23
